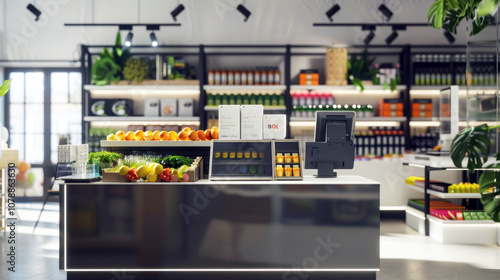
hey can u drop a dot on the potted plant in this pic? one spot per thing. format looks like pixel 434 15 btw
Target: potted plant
pixel 474 144
pixel 361 73
pixel 108 69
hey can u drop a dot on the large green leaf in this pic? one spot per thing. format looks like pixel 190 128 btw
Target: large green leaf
pixel 479 24
pixel 490 204
pixel 4 88
pixel 104 71
pixel 436 14
pixel 473 143
pixel 486 7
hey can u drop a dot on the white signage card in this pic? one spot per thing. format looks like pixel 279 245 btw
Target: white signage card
pixel 229 122
pixel 251 122
pixel 274 126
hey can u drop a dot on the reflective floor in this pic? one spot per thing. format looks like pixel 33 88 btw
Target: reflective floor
pixel 405 253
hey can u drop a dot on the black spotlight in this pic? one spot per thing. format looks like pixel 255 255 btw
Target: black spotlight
pixel 154 40
pixel 128 40
pixel 369 37
pixel 35 11
pixel 449 36
pixel 384 10
pixel 391 37
pixel 244 11
pixel 333 10
pixel 177 11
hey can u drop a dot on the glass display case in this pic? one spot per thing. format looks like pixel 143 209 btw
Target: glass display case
pixel 241 160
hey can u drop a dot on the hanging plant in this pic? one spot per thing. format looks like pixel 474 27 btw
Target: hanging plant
pixel 452 12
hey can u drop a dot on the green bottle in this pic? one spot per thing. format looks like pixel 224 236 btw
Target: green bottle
pixel 260 99
pixel 210 100
pixel 246 99
pixel 217 100
pixel 281 100
pixel 239 99
pixel 274 100
pixel 225 99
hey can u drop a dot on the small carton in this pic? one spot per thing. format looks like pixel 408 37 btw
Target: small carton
pixel 274 126
pixel 229 122
pixel 251 122
pixel 185 107
pixel 152 107
pixel 168 107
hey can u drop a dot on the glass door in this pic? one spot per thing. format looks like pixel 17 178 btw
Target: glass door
pixel 43 110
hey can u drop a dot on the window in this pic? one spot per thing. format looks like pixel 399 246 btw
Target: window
pixel 44 109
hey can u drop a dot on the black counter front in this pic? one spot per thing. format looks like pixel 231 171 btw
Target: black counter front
pixel 280 230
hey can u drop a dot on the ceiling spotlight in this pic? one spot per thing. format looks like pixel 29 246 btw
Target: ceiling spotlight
pixel 333 10
pixel 449 37
pixel 128 40
pixel 384 10
pixel 369 37
pixel 244 11
pixel 154 40
pixel 391 37
pixel 35 11
pixel 177 11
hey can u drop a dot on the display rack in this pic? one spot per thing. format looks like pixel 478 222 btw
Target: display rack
pixel 446 231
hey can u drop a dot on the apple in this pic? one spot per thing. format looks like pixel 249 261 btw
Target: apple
pixel 175 178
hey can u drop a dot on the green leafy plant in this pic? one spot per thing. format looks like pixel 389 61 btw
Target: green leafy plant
pixel 135 70
pixel 118 56
pixel 4 88
pixel 473 143
pixel 104 158
pixel 359 68
pixel 452 12
pixel 104 71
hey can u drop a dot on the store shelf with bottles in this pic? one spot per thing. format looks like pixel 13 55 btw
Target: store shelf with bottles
pixel 349 89
pixel 445 195
pixel 190 89
pixel 242 89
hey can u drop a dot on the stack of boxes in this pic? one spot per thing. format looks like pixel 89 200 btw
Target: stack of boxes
pixel 421 108
pixel 309 77
pixel 391 107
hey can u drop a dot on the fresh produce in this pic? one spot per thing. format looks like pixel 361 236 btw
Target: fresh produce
pixel 124 170
pixel 142 171
pixel 174 178
pixel 132 176
pixel 184 135
pixel 152 177
pixel 135 70
pixel 185 177
pixel 175 161
pixel 464 188
pixel 104 71
pixel 104 158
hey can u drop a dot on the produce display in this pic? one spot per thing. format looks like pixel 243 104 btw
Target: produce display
pixel 155 169
pixel 446 214
pixel 464 188
pixel 186 134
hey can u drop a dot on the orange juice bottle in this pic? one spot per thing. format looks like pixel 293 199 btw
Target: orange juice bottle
pixel 295 157
pixel 296 171
pixel 288 158
pixel 279 158
pixel 288 171
pixel 279 170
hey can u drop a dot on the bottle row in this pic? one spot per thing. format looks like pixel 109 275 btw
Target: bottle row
pixel 246 99
pixel 313 97
pixel 423 142
pixel 308 111
pixel 479 76
pixel 259 76
pixel 446 58
pixel 379 142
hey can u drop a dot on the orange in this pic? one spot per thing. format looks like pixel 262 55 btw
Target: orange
pixel 183 135
pixel 164 135
pixel 215 134
pixel 156 135
pixel 201 135
pixel 120 135
pixel 139 135
pixel 129 136
pixel 186 129
pixel 148 135
pixel 193 135
pixel 172 135
pixel 23 167
pixel 214 127
pixel 208 134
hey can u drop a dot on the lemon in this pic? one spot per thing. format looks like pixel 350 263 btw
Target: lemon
pixel 152 167
pixel 152 177
pixel 111 137
pixel 148 136
pixel 158 169
pixel 142 171
pixel 124 170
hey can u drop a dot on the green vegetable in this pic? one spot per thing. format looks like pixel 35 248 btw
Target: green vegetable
pixel 135 70
pixel 175 161
pixel 104 71
pixel 104 157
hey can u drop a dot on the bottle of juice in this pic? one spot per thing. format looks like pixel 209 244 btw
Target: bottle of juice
pixel 279 158
pixel 295 158
pixel 296 171
pixel 279 170
pixel 288 171
pixel 288 158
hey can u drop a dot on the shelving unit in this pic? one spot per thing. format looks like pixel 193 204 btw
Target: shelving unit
pixel 447 231
pixel 234 89
pixel 146 144
pixel 350 89
pixel 266 108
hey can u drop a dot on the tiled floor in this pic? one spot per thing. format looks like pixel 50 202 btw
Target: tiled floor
pixel 405 253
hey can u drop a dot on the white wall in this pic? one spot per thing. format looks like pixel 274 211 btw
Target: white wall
pixel 203 22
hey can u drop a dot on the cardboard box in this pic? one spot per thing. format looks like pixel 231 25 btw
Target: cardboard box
pixel 98 107
pixel 274 126
pixel 152 107
pixel 185 107
pixel 251 122
pixel 229 122
pixel 168 107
